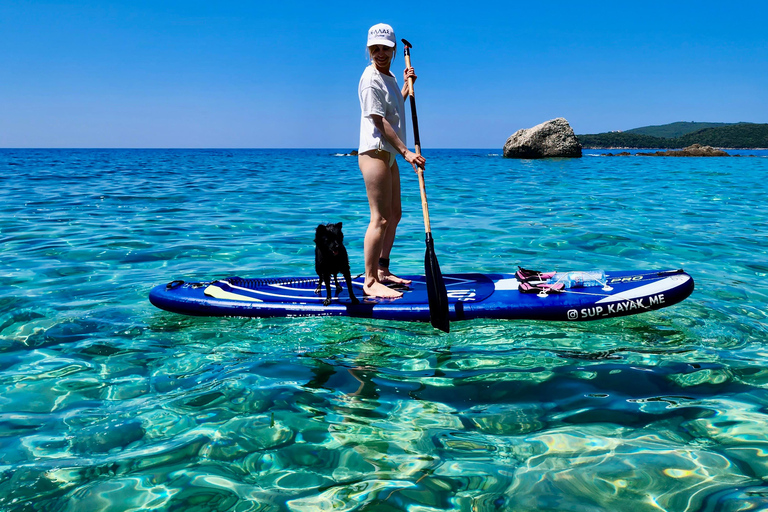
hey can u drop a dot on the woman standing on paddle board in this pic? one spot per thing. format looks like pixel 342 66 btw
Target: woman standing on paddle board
pixel 382 137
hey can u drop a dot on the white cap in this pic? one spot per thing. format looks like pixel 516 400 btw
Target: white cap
pixel 381 34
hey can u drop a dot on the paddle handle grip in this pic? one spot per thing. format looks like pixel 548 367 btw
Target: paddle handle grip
pixel 417 144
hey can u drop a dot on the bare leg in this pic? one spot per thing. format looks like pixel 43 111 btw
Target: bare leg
pixel 378 187
pixel 396 212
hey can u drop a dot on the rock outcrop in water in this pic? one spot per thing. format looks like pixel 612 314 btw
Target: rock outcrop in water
pixel 554 138
pixel 693 150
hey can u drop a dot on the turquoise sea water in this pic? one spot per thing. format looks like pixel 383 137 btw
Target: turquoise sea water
pixel 108 404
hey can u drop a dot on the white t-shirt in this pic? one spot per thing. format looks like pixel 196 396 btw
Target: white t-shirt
pixel 379 94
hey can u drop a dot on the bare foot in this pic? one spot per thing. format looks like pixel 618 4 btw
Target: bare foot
pixel 377 289
pixel 385 276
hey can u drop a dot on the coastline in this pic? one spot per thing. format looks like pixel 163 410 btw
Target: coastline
pixel 611 148
pixel 656 152
pixel 623 151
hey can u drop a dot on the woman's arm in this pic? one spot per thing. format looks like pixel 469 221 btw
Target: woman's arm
pixel 389 134
pixel 408 73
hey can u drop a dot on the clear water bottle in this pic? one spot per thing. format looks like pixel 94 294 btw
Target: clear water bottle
pixel 580 279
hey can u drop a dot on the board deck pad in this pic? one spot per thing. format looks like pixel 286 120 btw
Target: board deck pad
pixel 471 295
pixel 459 287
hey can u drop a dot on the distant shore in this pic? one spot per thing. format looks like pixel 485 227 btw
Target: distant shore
pixel 691 151
pixel 734 136
pixel 613 148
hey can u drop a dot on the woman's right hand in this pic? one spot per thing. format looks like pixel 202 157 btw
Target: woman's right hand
pixel 415 160
pixel 409 73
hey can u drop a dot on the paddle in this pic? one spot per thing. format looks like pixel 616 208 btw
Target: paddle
pixel 436 292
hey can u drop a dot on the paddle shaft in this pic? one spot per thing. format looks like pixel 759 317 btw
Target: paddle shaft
pixel 436 291
pixel 417 144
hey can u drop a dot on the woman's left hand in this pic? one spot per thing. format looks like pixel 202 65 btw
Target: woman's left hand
pixel 409 73
pixel 417 161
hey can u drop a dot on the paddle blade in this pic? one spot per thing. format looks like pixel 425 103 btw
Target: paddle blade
pixel 436 292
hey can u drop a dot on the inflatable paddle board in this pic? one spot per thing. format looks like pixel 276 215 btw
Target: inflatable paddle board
pixel 470 296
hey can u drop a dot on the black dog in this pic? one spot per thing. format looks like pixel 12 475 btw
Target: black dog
pixel 330 259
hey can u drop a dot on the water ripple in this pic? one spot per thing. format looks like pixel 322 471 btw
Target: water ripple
pixel 111 404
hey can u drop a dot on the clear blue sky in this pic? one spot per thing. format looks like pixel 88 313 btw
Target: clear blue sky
pixel 284 74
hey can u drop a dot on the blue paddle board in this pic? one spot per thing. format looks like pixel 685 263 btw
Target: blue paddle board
pixel 470 296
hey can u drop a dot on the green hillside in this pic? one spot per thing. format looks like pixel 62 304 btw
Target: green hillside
pixel 737 136
pixel 674 130
pixel 623 140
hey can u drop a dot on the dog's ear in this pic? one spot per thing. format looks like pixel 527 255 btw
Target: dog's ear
pixel 338 225
pixel 319 233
